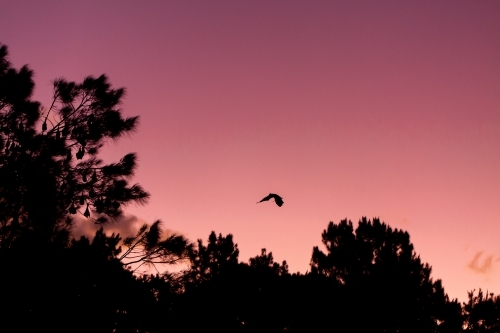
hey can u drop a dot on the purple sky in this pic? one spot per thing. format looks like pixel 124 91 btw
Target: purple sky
pixel 345 108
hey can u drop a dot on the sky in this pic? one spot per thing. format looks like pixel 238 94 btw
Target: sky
pixel 346 109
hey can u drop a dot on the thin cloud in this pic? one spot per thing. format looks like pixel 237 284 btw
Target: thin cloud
pixel 406 222
pixel 126 226
pixel 481 265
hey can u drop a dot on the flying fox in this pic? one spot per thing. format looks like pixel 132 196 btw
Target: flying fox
pixel 277 199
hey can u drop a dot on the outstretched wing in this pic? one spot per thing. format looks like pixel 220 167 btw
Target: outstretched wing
pixel 267 198
pixel 278 200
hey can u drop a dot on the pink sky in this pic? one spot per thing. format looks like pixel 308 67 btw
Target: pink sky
pixel 345 108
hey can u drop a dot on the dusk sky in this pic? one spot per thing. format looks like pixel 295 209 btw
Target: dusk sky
pixel 386 109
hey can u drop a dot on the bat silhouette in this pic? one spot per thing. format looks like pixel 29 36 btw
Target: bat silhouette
pixel 277 199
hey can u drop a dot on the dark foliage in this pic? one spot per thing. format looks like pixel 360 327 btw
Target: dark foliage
pixel 81 288
pixel 482 312
pixel 220 255
pixel 49 171
pixel 388 286
pixel 49 163
pixel 149 247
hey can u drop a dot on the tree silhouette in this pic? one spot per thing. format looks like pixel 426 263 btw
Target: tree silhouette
pixel 49 163
pixel 482 313
pixel 50 170
pixel 149 248
pixel 239 297
pixel 388 284
pixel 265 261
pixel 219 254
pixel 80 288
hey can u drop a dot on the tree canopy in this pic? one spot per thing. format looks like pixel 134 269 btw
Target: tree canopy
pixel 49 163
pixel 375 263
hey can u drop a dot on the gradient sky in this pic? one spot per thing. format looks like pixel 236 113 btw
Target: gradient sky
pixel 346 109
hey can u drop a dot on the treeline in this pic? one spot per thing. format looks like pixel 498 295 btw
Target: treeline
pixel 366 279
